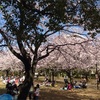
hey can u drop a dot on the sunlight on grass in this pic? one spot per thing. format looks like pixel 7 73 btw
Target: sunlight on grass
pixel 2 85
pixel 54 93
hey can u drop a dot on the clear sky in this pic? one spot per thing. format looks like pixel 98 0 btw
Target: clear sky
pixel 1 20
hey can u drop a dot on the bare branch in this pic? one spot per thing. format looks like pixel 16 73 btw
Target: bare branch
pixel 9 45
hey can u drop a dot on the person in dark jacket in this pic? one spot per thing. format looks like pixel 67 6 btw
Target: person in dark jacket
pixel 9 88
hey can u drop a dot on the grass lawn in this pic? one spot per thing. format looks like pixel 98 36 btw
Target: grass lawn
pixel 54 93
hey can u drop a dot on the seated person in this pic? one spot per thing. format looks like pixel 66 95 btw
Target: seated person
pixel 9 88
pixel 84 84
pixel 48 83
pixel 65 87
pixel 69 87
pixel 77 85
pixel 15 88
pixel 80 84
pixel 66 79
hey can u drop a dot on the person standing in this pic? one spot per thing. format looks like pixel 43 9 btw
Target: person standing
pixel 36 92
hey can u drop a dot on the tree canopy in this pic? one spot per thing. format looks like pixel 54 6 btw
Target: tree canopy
pixel 28 24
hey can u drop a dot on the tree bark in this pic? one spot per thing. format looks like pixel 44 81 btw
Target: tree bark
pixel 26 86
pixel 53 80
pixel 69 75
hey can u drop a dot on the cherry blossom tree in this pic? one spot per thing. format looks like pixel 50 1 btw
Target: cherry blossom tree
pixel 69 56
pixel 9 63
pixel 29 23
pixel 80 52
pixel 93 50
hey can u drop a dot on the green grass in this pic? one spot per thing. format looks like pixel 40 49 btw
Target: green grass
pixel 2 88
pixel 54 93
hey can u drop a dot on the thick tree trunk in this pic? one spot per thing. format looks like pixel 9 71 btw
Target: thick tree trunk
pixel 97 76
pixel 7 73
pixel 28 82
pixel 69 74
pixel 50 75
pixel 53 80
pixel 26 86
pixel 30 67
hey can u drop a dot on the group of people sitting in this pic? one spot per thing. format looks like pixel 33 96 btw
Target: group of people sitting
pixel 18 79
pixel 12 88
pixel 81 84
pixel 77 85
pixel 47 82
pixel 67 86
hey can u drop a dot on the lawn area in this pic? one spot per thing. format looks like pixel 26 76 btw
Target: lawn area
pixel 54 93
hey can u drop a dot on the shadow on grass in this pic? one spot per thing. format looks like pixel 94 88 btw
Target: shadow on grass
pixel 2 91
pixel 61 95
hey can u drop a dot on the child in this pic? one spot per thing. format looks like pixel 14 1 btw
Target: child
pixel 36 92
